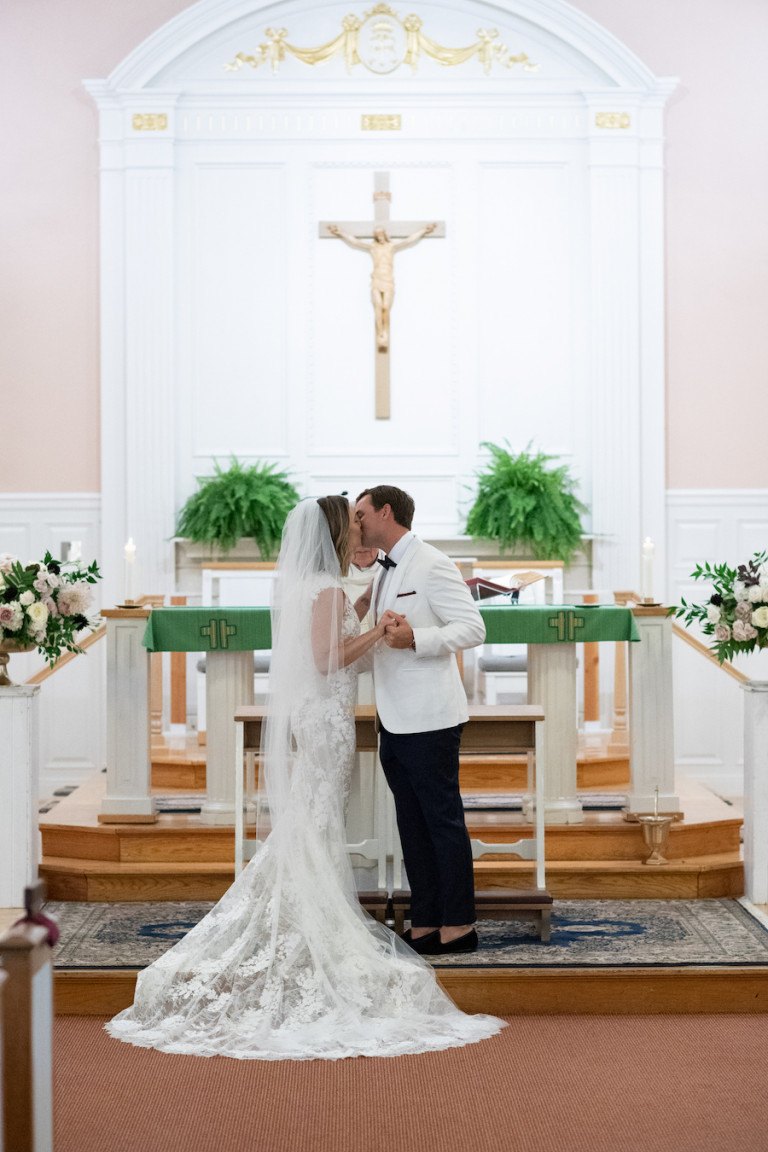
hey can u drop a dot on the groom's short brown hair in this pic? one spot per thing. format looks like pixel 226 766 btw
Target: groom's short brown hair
pixel 400 502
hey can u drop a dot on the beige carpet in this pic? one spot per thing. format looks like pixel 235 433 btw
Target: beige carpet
pixel 546 1084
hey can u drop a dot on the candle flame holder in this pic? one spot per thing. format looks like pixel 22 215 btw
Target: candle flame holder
pixel 656 835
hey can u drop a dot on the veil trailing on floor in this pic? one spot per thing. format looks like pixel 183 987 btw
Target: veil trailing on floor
pixel 287 965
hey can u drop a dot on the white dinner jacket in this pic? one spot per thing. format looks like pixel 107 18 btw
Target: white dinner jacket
pixel 421 690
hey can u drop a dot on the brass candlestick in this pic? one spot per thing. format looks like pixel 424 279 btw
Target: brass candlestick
pixel 656 834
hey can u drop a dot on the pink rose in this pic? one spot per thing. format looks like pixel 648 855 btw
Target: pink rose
pixel 11 616
pixel 722 633
pixel 743 631
pixel 744 610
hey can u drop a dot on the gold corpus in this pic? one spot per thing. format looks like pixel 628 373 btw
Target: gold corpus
pixel 381 42
pixel 381 123
pixel 612 120
pixel 150 121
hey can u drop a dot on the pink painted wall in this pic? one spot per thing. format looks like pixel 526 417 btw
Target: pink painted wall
pixel 717 228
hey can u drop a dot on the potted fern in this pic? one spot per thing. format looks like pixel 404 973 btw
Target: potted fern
pixel 236 502
pixel 521 500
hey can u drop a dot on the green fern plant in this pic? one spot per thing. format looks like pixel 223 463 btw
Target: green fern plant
pixel 521 500
pixel 239 501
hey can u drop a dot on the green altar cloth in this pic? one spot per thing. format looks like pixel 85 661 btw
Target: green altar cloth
pixel 557 623
pixel 243 629
pixel 207 629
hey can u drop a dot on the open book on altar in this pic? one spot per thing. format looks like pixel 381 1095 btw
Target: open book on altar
pixel 483 589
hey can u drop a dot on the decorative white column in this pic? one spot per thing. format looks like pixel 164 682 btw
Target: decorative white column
pixel 19 792
pixel 138 323
pixel 756 791
pixel 651 723
pixel 129 765
pixel 552 684
pixel 228 686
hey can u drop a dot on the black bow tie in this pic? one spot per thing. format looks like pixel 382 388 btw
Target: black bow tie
pixel 387 562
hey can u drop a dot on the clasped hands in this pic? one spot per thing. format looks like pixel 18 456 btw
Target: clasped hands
pixel 396 631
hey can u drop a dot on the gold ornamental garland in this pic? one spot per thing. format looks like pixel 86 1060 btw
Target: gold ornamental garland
pixel 381 42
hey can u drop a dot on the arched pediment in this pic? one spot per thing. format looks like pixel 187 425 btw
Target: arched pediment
pixel 562 49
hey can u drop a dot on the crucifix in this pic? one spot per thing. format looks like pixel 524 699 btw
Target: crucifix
pixel 382 238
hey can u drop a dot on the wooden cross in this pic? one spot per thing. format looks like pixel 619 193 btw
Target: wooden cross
pixel 382 238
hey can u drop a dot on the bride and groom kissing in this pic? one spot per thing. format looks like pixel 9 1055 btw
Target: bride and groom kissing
pixel 287 965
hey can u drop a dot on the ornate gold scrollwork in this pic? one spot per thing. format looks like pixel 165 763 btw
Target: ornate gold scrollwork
pixel 612 120
pixel 149 121
pixel 381 42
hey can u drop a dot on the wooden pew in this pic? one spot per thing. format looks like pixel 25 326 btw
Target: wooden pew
pixel 27 1038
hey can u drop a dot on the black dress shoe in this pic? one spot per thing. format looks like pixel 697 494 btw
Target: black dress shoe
pixel 466 943
pixel 424 945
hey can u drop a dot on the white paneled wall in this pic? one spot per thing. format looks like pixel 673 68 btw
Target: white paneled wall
pixel 72 731
pixel 718 526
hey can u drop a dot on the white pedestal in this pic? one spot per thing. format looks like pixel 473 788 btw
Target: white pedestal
pixel 19 792
pixel 651 730
pixel 228 686
pixel 756 791
pixel 129 764
pixel 552 684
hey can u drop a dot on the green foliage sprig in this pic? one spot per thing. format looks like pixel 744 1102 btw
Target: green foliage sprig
pixel 520 499
pixel 239 501
pixel 44 604
pixel 736 613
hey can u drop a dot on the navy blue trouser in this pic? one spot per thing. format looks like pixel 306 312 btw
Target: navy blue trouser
pixel 422 770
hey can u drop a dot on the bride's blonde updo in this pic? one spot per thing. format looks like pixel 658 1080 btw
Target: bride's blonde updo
pixel 336 512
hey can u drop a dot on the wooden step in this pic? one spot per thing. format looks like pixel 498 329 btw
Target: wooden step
pixel 705 877
pixel 509 991
pixel 175 839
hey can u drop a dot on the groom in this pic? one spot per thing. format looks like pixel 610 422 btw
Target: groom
pixel 422 708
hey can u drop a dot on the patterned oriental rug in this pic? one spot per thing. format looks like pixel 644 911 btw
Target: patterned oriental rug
pixel 585 934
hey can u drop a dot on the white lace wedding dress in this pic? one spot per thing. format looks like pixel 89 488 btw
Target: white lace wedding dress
pixel 287 965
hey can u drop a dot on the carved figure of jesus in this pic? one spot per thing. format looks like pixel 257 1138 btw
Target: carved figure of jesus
pixel 382 251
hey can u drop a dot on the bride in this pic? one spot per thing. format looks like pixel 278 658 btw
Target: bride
pixel 287 965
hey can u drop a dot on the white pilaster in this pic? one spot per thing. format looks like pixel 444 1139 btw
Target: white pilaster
pixel 129 765
pixel 19 799
pixel 651 727
pixel 228 686
pixel 756 791
pixel 552 684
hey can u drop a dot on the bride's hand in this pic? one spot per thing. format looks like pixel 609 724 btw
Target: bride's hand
pixel 387 620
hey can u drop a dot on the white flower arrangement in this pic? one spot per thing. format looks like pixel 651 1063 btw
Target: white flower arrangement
pixel 44 604
pixel 736 614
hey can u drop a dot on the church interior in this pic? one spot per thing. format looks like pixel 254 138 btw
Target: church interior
pixel 507 255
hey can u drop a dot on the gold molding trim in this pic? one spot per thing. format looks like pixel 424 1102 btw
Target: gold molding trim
pixel 382 41
pixel 381 123
pixel 149 121
pixel 613 120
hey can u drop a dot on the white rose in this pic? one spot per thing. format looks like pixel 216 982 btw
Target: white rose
pixel 739 590
pixel 760 617
pixel 755 594
pixel 27 598
pixel 38 616
pixel 713 613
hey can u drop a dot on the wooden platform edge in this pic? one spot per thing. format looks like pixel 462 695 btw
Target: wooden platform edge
pixel 509 991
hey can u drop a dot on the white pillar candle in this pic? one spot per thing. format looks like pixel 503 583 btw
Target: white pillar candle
pixel 656 801
pixel 646 570
pixel 129 566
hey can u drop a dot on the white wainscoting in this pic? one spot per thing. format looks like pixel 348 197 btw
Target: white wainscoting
pixel 72 701
pixel 719 525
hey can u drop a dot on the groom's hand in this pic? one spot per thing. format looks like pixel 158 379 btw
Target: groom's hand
pixel 398 632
